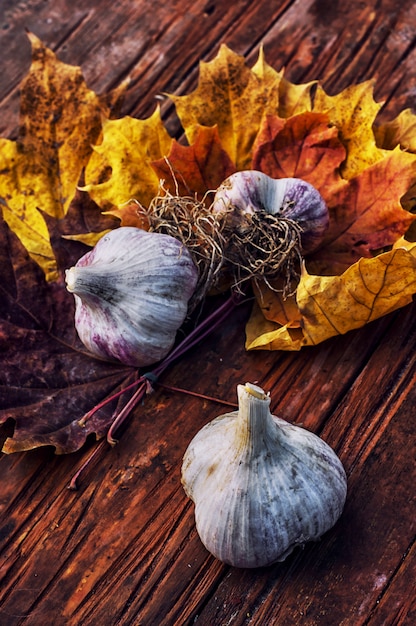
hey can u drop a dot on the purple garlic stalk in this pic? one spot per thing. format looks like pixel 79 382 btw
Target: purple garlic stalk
pixel 131 295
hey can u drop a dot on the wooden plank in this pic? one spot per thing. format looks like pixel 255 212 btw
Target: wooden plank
pixel 124 548
pixel 162 55
pixel 99 538
pixel 396 604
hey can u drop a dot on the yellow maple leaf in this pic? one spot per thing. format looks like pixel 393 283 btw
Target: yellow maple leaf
pixel 400 131
pixel 60 119
pixel 275 307
pixel 120 167
pixel 234 98
pixel 264 334
pixel 334 305
pixel 294 99
pixel 353 112
pixel 20 214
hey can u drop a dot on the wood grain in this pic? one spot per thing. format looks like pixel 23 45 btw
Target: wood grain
pixel 123 549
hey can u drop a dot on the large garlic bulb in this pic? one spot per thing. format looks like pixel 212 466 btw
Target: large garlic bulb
pixel 260 485
pixel 131 295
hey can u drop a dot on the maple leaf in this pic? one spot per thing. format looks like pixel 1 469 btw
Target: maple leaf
pixel 353 112
pixel 294 99
pixel 331 305
pixel 60 119
pixel 303 146
pixel 47 380
pixel 193 170
pixel 399 132
pixel 120 167
pixel 233 98
pixel 366 214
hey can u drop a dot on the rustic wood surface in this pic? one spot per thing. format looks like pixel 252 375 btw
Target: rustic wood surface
pixel 123 549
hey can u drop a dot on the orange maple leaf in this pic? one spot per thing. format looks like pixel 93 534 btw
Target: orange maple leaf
pixel 193 170
pixel 303 146
pixel 366 214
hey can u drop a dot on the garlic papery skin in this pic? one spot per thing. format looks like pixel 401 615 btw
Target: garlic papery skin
pixel 131 295
pixel 294 199
pixel 261 486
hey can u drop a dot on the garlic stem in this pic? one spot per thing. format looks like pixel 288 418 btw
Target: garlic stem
pixel 255 391
pixel 89 281
pixel 253 420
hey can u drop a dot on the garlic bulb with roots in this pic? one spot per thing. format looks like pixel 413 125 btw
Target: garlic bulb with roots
pixel 270 224
pixel 261 486
pixel 292 199
pixel 131 295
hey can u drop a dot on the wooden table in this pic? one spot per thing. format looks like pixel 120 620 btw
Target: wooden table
pixel 123 549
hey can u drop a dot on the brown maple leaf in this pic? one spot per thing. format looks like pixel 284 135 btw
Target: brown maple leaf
pixel 47 379
pixel 303 146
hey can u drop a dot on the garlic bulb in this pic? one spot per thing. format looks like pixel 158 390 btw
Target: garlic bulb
pixel 261 486
pixel 250 191
pixel 131 295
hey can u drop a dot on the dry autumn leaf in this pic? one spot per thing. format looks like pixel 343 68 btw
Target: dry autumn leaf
pixel 120 167
pixel 332 305
pixel 353 112
pixel 303 146
pixel 366 215
pixel 193 170
pixel 400 131
pixel 294 99
pixel 233 98
pixel 48 381
pixel 60 121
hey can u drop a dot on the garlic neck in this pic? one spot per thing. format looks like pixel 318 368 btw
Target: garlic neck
pixel 88 281
pixel 254 423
